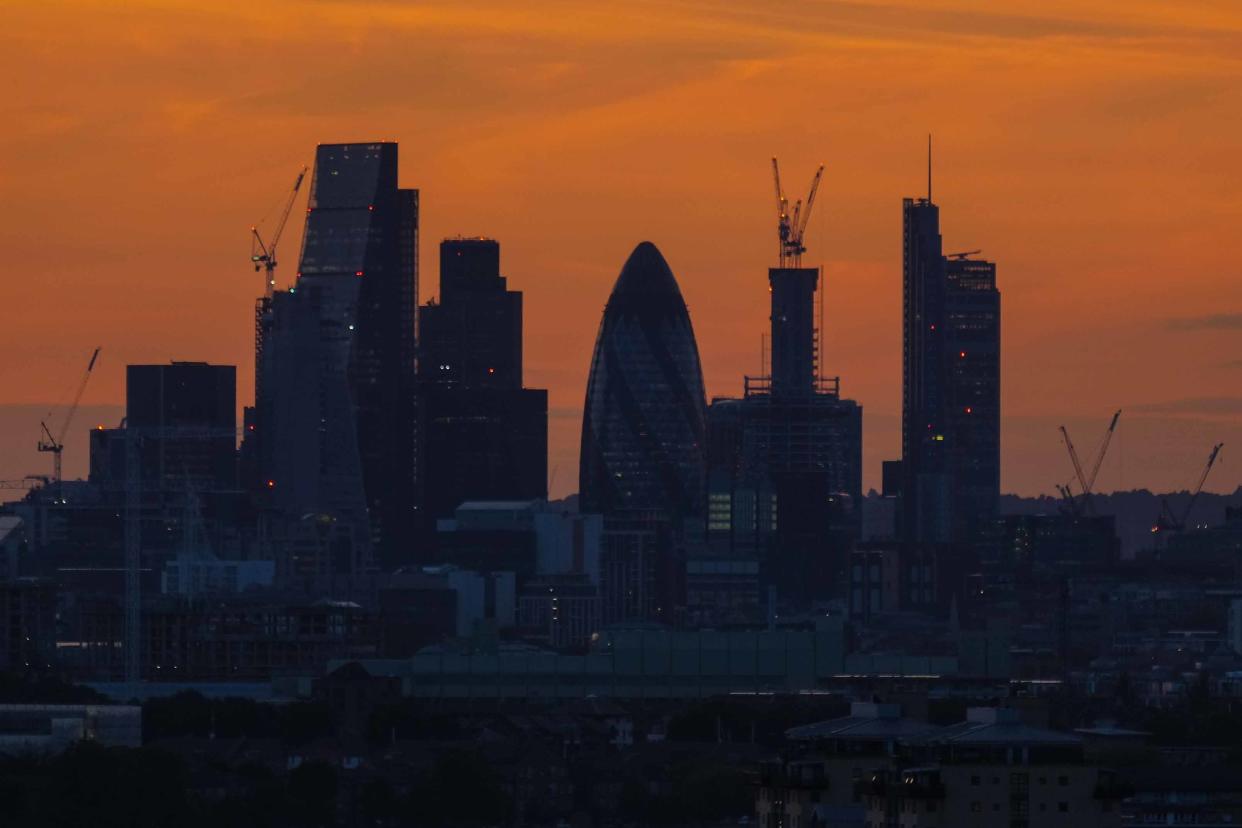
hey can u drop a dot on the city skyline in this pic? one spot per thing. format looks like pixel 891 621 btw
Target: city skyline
pixel 1058 210
pixel 674 413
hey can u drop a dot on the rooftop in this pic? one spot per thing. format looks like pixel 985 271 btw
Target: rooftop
pixel 866 721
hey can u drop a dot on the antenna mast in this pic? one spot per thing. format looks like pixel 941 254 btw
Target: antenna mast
pixel 929 191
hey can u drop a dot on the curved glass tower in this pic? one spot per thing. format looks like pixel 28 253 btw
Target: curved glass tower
pixel 643 423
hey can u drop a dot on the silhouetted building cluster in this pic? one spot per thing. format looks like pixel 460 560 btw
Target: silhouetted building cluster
pixel 389 497
pixel 395 461
pixel 382 538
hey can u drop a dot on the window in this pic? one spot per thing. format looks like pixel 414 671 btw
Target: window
pixel 1063 807
pixel 974 780
pixel 976 806
pixel 1062 780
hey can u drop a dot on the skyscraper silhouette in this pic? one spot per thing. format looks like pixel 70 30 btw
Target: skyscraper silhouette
pixel 972 421
pixel 925 483
pixel 483 436
pixel 950 435
pixel 785 470
pixel 643 422
pixel 335 410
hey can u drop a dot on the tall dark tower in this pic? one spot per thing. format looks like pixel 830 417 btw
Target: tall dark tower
pixel 950 435
pixel 643 440
pixel 643 422
pixel 185 395
pixel 925 487
pixel 483 436
pixel 785 471
pixel 473 336
pixel 972 419
pixel 794 368
pixel 337 361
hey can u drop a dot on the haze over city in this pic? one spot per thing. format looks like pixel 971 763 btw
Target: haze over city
pixel 1091 153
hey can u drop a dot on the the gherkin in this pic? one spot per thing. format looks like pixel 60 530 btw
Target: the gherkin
pixel 643 422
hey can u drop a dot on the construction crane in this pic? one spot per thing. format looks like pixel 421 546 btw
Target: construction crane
pixel 55 443
pixel 792 221
pixel 1080 505
pixel 1167 521
pixel 263 254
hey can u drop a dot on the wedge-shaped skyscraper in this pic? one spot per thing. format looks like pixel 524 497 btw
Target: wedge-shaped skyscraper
pixel 643 423
pixel 335 396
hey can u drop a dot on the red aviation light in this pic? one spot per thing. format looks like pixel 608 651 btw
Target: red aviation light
pixel 358 273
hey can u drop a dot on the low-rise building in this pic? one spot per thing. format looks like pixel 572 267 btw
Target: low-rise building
pixel 876 768
pixel 51 728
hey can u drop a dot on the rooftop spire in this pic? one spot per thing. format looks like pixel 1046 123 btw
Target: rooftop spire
pixel 929 168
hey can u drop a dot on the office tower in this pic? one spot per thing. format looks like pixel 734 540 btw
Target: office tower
pixel 925 482
pixel 335 412
pixel 950 385
pixel 643 440
pixel 972 421
pixel 484 436
pixel 473 336
pixel 643 422
pixel 186 415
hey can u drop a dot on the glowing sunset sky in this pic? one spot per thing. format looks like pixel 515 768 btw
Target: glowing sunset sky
pixel 1092 149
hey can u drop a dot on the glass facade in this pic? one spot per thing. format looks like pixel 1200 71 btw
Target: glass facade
pixel 972 420
pixel 643 423
pixel 335 388
pixel 951 385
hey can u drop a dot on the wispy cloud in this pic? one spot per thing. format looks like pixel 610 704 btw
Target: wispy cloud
pixel 1209 322
pixel 1203 406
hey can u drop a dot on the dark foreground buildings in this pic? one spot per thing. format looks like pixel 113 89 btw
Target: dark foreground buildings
pixel 335 418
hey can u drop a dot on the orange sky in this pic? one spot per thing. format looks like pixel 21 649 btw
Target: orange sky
pixel 1092 148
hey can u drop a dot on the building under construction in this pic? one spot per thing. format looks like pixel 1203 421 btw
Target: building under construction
pixel 785 459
